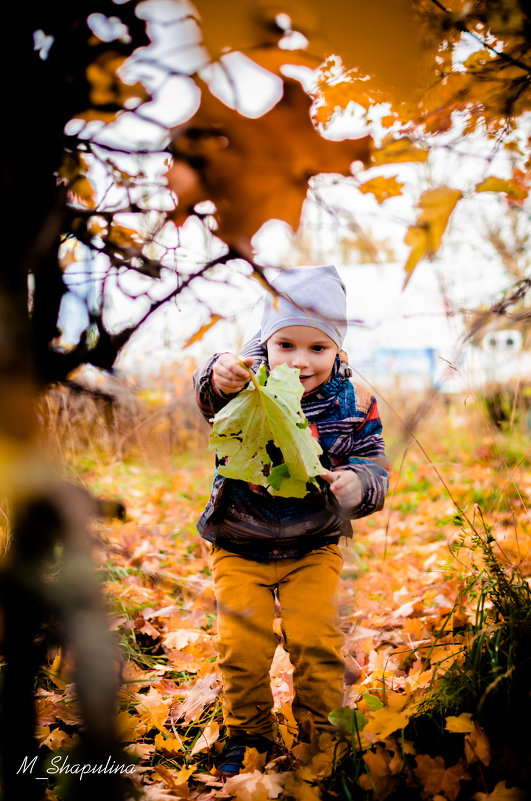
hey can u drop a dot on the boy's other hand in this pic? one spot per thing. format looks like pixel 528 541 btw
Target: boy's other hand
pixel 345 485
pixel 228 374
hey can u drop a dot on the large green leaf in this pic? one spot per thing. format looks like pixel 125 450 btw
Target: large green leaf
pixel 263 437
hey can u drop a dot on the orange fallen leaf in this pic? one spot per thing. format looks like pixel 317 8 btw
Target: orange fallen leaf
pixel 171 744
pixel 152 708
pixel 255 786
pixel 383 722
pixel 208 737
pixel 203 692
pixel 501 793
pixel 300 790
pixel 462 723
pixel 477 746
pixel 381 778
pixel 129 727
pixel 435 777
pixel 253 761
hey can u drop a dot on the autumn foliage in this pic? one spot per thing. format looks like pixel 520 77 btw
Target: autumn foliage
pixel 421 584
pixel 82 195
pixel 413 70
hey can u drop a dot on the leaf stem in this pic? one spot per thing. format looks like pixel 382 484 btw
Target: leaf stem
pixel 253 377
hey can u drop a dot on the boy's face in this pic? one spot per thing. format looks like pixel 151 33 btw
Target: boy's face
pixel 307 348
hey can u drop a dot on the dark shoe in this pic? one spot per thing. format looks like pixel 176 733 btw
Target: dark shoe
pixel 231 761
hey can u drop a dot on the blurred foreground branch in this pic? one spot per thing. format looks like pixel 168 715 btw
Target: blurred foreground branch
pixel 50 595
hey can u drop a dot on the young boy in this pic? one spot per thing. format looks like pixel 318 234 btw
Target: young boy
pixel 266 546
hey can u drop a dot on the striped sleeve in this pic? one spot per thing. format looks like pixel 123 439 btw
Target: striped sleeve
pixel 208 399
pixel 367 459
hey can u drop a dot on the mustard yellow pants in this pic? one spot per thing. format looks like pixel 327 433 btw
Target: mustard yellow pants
pixel 307 592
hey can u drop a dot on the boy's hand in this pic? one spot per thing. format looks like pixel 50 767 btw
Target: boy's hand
pixel 345 485
pixel 228 374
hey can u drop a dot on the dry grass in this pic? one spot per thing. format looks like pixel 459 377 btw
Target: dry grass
pixel 149 418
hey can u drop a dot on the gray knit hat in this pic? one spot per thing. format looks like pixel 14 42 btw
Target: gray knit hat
pixel 313 296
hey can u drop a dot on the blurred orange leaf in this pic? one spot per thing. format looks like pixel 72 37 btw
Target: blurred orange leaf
pixel 214 318
pixel 83 190
pixel 424 238
pixel 73 171
pixel 512 188
pixel 107 88
pixel 129 727
pixel 120 236
pixel 363 34
pixel 72 166
pixel 254 170
pixel 382 188
pixel 393 151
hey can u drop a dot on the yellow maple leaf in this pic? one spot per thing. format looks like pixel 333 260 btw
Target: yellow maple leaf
pixel 435 777
pixel 477 746
pixel 171 744
pixel 152 708
pixel 461 724
pixel 425 237
pixel 184 774
pixel 41 733
pixel 129 727
pixel 59 739
pixel 382 188
pixel 383 722
pixel 253 760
